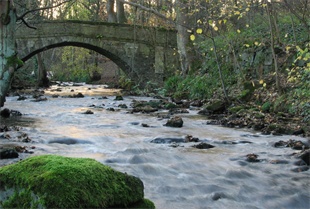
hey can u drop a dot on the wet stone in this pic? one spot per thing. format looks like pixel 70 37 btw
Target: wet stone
pixel 118 98
pixel 145 125
pixel 168 140
pixel 176 122
pixel 88 112
pixel 218 195
pixel 5 113
pixel 300 169
pixel 8 153
pixel 203 145
pixel 305 156
pixel 122 106
pixel 297 145
pixel 252 158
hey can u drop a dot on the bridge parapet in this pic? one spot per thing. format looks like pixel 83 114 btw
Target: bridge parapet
pixel 100 30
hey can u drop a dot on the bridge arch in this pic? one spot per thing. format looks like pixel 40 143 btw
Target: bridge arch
pixel 126 68
pixel 143 53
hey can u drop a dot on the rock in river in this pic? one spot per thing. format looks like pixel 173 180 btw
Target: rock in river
pixel 175 122
pixel 51 181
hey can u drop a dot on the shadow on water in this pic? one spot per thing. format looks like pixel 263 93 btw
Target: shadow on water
pixel 22 121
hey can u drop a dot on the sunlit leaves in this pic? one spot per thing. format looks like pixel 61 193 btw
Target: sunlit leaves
pixel 192 37
pixel 199 31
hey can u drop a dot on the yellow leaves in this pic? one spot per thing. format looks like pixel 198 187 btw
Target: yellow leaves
pixel 256 43
pixel 199 21
pixel 215 28
pixel 264 85
pixel 237 13
pixel 246 45
pixel 199 31
pixel 261 81
pixel 192 37
pixel 238 31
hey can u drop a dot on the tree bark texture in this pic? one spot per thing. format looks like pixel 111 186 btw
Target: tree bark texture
pixel 182 36
pixel 110 11
pixel 121 17
pixel 8 58
pixel 43 81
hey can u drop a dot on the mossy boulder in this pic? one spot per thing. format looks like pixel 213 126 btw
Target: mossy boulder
pixel 217 106
pixel 51 181
pixel 175 122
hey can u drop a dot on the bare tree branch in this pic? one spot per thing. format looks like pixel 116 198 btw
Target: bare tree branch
pixel 146 9
pixel 29 26
pixel 43 8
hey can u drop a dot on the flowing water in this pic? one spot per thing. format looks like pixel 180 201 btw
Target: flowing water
pixel 174 177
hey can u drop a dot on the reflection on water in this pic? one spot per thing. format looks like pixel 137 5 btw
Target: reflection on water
pixel 181 177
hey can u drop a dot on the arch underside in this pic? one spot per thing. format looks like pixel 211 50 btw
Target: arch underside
pixel 126 68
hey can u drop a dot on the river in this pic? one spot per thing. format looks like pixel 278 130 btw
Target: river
pixel 174 177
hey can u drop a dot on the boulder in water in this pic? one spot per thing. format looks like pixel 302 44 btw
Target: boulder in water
pixel 51 181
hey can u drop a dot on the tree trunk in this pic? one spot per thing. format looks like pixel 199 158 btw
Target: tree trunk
pixel 43 81
pixel 110 11
pixel 182 36
pixel 274 56
pixel 121 17
pixel 8 58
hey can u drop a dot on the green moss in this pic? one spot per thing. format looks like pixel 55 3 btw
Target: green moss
pixel 63 182
pixel 170 105
pixel 245 95
pixel 145 203
pixel 13 60
pixel 235 109
pixel 266 107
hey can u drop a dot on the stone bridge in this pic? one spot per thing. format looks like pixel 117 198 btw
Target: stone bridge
pixel 143 53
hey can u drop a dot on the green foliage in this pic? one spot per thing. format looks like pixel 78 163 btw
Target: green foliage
pixel 192 87
pixel 266 106
pixel 125 83
pixel 14 61
pixel 299 78
pixel 76 65
pixel 62 182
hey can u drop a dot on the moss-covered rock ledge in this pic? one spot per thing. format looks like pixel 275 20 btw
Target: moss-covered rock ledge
pixel 51 181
